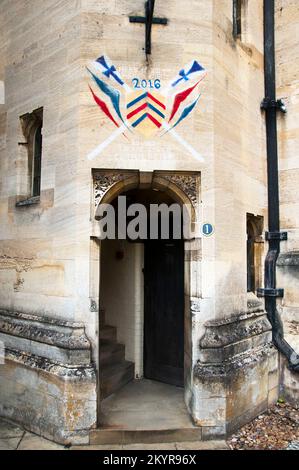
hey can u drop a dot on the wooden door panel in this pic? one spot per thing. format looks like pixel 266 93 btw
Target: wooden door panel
pixel 164 311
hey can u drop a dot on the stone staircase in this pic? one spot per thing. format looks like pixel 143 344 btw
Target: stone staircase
pixel 115 370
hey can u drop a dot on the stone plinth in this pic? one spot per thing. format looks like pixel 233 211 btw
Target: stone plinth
pixel 50 382
pixel 236 377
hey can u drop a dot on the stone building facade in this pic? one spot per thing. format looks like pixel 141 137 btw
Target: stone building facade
pixel 57 277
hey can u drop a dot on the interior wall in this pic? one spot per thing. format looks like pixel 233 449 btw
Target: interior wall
pixel 121 295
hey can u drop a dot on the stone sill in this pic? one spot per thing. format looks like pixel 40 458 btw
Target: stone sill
pixel 41 319
pixel 235 318
pixel 29 201
pixel 53 341
pixel 65 371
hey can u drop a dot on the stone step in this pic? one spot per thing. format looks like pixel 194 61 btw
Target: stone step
pixel 108 332
pixel 115 376
pixel 111 353
pixel 143 436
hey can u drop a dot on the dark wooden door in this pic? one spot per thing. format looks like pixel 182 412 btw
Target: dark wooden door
pixel 164 311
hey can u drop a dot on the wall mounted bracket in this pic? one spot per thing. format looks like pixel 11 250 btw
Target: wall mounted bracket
pixel 267 103
pixel 281 236
pixel 148 20
pixel 269 292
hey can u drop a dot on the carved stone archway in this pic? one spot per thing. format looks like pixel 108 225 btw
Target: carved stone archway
pixel 184 188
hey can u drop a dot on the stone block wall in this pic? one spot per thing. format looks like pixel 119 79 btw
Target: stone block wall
pixel 122 291
pixel 239 157
pixel 287 63
pixel 40 66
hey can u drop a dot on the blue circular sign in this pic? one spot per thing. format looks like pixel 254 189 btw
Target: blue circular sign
pixel 207 229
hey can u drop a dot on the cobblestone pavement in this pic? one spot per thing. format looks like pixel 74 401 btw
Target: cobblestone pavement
pixel 277 429
pixel 13 437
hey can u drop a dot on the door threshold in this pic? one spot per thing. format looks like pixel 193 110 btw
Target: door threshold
pixel 145 411
pixel 148 436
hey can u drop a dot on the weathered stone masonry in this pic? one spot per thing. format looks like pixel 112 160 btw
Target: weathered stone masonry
pixel 49 382
pixel 50 252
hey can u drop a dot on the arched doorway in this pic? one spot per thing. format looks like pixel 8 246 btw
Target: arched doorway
pixel 119 257
pixel 142 300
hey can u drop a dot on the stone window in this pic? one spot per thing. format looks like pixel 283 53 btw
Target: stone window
pixel 32 124
pixel 36 161
pixel 254 252
pixel 237 18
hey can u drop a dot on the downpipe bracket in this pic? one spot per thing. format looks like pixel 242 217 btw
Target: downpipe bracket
pixel 268 103
pixel 281 236
pixel 269 292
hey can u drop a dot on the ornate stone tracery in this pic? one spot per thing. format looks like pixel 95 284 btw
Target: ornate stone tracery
pixel 188 183
pixel 103 182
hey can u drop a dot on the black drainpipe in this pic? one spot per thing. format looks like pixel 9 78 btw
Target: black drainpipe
pixel 274 236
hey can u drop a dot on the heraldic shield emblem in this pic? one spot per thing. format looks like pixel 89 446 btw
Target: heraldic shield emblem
pixel 141 106
pixel 145 111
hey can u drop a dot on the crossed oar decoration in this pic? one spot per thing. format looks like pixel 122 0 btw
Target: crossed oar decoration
pixel 190 71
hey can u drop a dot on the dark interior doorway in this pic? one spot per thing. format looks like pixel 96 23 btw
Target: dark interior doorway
pixel 142 302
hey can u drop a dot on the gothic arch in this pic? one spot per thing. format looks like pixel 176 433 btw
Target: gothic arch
pixel 183 188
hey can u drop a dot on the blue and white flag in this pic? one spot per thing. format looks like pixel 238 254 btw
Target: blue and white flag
pixel 189 72
pixel 103 64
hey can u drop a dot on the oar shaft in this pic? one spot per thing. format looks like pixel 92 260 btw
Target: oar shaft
pixel 183 142
pixel 99 149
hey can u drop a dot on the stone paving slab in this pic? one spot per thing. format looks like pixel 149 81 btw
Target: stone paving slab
pixel 8 429
pixel 157 446
pixel 102 447
pixel 207 445
pixel 10 443
pixel 33 442
pixel 202 445
pixel 12 437
pixel 146 405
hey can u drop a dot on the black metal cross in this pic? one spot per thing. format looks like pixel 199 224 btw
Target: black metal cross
pixel 148 20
